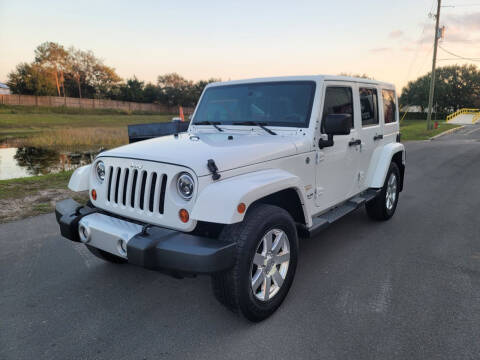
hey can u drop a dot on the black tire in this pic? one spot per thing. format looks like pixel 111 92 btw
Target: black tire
pixel 106 255
pixel 233 287
pixel 377 208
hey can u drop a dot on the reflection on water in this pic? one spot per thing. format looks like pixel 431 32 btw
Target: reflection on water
pixel 30 161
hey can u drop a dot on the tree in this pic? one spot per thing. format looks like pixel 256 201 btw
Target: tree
pixel 151 93
pixel 72 72
pixel 53 58
pixel 76 68
pixel 104 79
pixel 90 74
pixel 132 90
pixel 31 79
pixel 75 72
pixel 174 89
pixel 455 87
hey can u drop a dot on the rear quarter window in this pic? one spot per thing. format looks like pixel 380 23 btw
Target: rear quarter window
pixel 389 106
pixel 369 106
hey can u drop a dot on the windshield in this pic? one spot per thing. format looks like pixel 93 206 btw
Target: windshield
pixel 286 103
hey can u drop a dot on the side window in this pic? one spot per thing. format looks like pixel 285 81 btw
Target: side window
pixel 389 106
pixel 338 100
pixel 369 105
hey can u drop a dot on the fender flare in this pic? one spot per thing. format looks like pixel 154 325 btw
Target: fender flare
pixel 80 179
pixel 380 162
pixel 218 201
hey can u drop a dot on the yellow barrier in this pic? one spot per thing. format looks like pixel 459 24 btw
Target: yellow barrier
pixel 476 118
pixel 460 112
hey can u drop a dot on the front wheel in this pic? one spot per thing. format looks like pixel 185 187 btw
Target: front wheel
pixel 266 259
pixel 383 206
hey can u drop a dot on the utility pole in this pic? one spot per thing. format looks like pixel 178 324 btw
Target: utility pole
pixel 432 81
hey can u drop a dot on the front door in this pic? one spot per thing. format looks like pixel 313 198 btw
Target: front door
pixel 337 165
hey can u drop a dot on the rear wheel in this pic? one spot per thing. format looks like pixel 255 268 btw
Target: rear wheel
pixel 266 260
pixel 106 255
pixel 383 206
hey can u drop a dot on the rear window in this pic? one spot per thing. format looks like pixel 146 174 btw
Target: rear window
pixel 389 106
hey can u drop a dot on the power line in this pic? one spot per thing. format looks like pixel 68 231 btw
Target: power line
pixel 464 5
pixel 451 59
pixel 458 56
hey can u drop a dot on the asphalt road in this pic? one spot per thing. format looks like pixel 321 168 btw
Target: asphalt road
pixel 408 288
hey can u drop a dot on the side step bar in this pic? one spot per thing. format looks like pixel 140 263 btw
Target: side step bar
pixel 322 221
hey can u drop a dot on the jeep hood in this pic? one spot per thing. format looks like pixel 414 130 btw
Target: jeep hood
pixel 193 151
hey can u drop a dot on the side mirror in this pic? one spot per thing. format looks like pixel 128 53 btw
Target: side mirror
pixel 335 124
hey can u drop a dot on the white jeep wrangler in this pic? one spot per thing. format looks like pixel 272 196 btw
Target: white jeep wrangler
pixel 263 162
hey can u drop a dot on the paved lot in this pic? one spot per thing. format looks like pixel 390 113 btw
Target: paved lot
pixel 405 289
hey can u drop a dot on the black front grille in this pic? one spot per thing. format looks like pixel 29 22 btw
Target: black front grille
pixel 138 189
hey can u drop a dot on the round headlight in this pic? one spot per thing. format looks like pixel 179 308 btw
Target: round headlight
pixel 100 171
pixel 185 186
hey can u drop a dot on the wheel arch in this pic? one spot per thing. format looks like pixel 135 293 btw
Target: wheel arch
pixel 380 163
pixel 289 200
pixel 218 201
pixel 397 158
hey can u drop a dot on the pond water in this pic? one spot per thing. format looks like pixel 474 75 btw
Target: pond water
pixel 30 161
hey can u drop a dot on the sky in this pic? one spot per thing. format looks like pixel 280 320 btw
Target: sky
pixel 388 40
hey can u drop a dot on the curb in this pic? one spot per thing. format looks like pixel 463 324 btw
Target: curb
pixel 446 132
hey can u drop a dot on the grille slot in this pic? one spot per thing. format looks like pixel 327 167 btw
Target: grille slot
pixel 110 170
pixel 152 191
pixel 161 204
pixel 140 190
pixel 132 190
pixel 117 184
pixel 125 187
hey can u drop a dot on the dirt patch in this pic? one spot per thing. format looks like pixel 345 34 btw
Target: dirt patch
pixel 41 202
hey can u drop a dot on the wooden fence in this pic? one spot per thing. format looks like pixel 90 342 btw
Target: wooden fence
pixel 33 100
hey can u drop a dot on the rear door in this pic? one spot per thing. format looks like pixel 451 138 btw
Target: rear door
pixel 370 131
pixel 337 164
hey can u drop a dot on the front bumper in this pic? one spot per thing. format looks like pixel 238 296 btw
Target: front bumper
pixel 154 248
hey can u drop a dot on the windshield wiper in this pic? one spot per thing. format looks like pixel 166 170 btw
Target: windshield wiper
pixel 214 124
pixel 259 124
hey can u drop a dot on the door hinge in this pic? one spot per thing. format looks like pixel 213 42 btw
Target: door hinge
pixel 319 156
pixel 360 177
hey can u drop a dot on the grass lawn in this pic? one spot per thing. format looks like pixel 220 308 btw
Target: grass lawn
pixel 16 188
pixel 67 128
pixel 417 129
pixel 20 198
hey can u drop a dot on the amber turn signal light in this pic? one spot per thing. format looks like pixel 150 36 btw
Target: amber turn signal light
pixel 94 194
pixel 183 215
pixel 241 208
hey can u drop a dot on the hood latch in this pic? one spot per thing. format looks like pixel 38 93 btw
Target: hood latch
pixel 213 169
